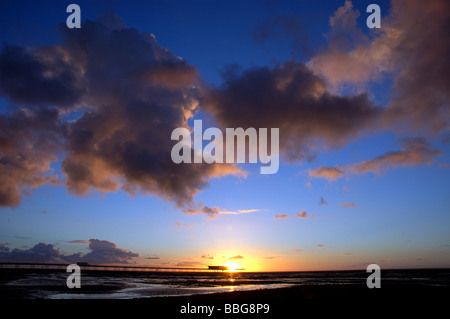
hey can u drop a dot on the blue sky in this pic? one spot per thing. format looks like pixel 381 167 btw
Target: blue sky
pixel 399 216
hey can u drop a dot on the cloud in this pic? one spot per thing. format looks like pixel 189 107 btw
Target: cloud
pixel 414 152
pixel 414 55
pixel 269 257
pixel 303 214
pixel 106 252
pixel 348 204
pixel 104 102
pixel 320 245
pixel 102 252
pixel 190 264
pixel 29 77
pixel 244 211
pixel 29 142
pixel 322 201
pixel 77 241
pixel 39 253
pixel 207 256
pixel 298 250
pixel 152 258
pixel 334 62
pixel 290 97
pixel 281 216
pixel 183 225
pixel 236 257
pixel 199 208
pixel 330 173
pixel 213 212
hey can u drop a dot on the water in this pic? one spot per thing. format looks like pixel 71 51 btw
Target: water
pixel 51 284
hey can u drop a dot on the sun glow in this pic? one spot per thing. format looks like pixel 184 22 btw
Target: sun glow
pixel 232 266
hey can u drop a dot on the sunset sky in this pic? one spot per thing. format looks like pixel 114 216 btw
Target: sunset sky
pixel 86 117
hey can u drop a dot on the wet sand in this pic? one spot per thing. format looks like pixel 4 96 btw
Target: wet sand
pixel 293 302
pixel 325 299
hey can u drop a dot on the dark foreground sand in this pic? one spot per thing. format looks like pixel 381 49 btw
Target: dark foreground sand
pixel 321 301
pixel 344 299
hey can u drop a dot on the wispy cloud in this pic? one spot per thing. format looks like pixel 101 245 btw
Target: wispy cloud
pixel 330 173
pixel 236 257
pixel 183 225
pixel 213 212
pixel 414 152
pixel 77 241
pixel 281 216
pixel 348 204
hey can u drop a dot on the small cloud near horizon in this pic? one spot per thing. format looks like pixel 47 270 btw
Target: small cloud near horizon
pixel 236 257
pixel 348 204
pixel 281 216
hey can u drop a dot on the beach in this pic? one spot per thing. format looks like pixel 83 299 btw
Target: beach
pixel 294 302
pixel 258 295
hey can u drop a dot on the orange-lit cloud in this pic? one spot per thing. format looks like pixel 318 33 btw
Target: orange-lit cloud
pixel 303 215
pixel 415 151
pixel 348 204
pixel 317 119
pixel 213 212
pixel 236 257
pixel 183 225
pixel 330 173
pixel 416 56
pixel 129 104
pixel 281 216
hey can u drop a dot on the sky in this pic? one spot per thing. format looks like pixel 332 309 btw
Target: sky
pixel 86 116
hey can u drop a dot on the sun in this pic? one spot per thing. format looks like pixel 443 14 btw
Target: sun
pixel 232 266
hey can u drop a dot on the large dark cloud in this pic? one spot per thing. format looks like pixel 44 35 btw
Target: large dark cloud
pixel 102 252
pixel 411 47
pixel 106 252
pixel 105 100
pixel 39 253
pixel 290 97
pixel 422 95
pixel 131 93
pixel 34 78
pixel 30 140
